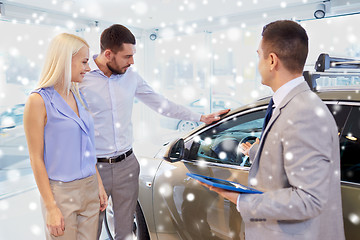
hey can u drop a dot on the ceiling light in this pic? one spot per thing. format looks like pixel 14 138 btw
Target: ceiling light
pixel 153 35
pixel 319 11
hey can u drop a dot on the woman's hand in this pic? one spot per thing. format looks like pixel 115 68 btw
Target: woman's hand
pixel 103 197
pixel 55 222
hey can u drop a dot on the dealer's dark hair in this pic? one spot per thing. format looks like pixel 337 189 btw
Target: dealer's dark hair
pixel 289 41
pixel 114 36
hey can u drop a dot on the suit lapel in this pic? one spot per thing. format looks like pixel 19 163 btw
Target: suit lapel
pixel 298 89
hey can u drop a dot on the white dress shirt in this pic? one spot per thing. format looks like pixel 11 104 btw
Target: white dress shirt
pixel 278 96
pixel 110 101
pixel 284 90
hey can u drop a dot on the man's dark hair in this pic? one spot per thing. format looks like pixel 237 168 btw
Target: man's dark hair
pixel 289 41
pixel 114 36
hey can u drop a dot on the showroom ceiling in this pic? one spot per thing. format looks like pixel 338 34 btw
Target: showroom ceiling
pixel 154 14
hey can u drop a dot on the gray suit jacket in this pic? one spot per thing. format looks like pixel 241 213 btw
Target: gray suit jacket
pixel 297 165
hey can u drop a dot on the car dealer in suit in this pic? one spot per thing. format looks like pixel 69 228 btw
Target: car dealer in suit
pixel 297 161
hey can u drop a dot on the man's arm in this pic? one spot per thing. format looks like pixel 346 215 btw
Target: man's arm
pixel 164 106
pixel 212 117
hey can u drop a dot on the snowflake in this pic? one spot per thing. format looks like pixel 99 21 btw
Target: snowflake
pixel 4 205
pixel 320 112
pixel 239 79
pixel 224 21
pixel 152 171
pixel 188 93
pixel 13 175
pixel 222 155
pixel 351 38
pixel 196 139
pixel 14 52
pixel 233 34
pixel 289 156
pixel 87 154
pixel 254 94
pixel 190 197
pixel 354 218
pixel 253 181
pixel 143 162
pixel 202 163
pixel 36 230
pixel 168 174
pixel 208 141
pixel 32 206
pixel 129 237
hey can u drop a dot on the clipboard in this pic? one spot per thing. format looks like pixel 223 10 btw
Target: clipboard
pixel 224 184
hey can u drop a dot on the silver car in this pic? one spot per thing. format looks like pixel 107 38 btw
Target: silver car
pixel 172 205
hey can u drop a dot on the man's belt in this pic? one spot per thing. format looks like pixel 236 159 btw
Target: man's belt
pixel 116 158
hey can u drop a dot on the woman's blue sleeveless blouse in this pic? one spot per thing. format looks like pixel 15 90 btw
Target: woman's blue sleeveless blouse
pixel 69 148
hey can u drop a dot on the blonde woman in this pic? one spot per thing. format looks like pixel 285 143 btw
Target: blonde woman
pixel 60 136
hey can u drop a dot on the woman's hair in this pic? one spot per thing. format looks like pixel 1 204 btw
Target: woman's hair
pixel 57 65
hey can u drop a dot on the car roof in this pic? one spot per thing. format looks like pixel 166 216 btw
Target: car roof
pixel 328 94
pixel 340 94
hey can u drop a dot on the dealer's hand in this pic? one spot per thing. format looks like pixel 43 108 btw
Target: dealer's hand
pixel 231 195
pixel 244 148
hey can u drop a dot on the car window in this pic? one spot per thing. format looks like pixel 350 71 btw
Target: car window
pixel 219 143
pixel 350 148
pixel 340 113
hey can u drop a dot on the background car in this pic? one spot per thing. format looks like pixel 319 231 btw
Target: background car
pixel 219 102
pixel 172 205
pixel 12 117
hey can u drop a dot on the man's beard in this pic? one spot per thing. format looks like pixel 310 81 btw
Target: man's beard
pixel 115 71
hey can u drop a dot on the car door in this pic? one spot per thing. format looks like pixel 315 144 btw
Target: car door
pixel 183 209
pixel 350 173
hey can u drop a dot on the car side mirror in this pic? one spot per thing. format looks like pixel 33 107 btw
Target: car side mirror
pixel 175 152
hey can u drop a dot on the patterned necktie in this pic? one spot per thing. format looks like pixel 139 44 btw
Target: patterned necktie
pixel 267 115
